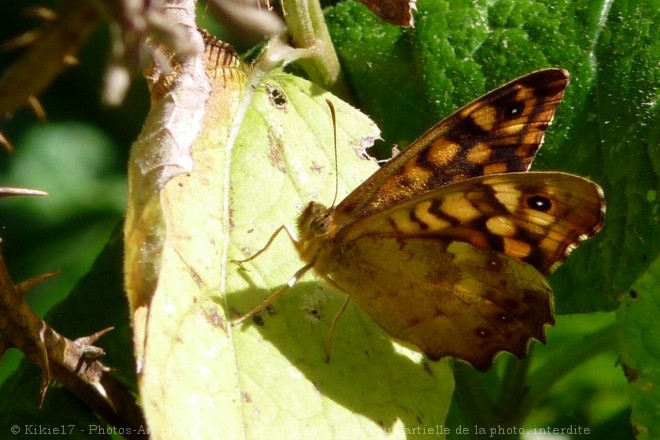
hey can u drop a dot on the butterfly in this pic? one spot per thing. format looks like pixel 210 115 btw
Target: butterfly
pixel 446 246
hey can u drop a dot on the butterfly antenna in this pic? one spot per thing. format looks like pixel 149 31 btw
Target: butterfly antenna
pixel 334 134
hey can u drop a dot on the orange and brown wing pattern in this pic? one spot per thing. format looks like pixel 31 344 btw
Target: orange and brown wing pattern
pixel 498 133
pixel 446 298
pixel 535 217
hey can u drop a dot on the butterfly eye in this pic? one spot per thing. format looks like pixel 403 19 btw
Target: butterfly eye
pixel 321 225
pixel 539 203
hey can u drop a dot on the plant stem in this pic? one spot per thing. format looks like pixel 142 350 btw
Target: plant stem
pixel 307 28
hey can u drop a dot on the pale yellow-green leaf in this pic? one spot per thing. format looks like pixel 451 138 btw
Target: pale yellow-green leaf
pixel 283 159
pixel 202 378
pixel 175 230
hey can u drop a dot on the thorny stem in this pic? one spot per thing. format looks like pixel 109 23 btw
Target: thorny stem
pixel 65 360
pixel 47 55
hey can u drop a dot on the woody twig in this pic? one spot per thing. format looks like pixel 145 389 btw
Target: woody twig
pixel 74 363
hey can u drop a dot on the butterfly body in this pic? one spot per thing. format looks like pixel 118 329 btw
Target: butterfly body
pixel 446 246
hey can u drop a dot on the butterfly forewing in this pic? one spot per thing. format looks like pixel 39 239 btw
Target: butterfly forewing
pixel 497 133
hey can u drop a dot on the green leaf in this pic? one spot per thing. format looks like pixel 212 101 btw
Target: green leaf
pixel 639 340
pixel 607 128
pixel 288 389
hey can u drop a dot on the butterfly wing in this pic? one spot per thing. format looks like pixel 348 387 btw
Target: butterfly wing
pixel 536 217
pixel 447 298
pixel 457 271
pixel 497 133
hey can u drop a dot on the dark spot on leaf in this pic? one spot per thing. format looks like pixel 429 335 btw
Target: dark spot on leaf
pixel 215 319
pixel 314 313
pixel 316 168
pixel 427 368
pixel 276 97
pixel 275 157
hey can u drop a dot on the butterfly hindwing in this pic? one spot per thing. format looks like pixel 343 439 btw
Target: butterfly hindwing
pixel 535 217
pixel 447 298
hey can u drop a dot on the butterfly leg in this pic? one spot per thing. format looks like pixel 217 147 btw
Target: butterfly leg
pixel 328 345
pixel 273 296
pixel 268 243
pixel 333 324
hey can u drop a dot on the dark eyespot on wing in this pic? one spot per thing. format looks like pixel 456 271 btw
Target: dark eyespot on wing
pixel 539 203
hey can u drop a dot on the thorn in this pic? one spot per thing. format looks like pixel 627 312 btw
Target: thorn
pixel 102 392
pixel 5 143
pixel 41 12
pixel 20 41
pixel 37 108
pixel 45 382
pixel 24 286
pixel 116 83
pixel 70 60
pixel 89 352
pixel 89 340
pixel 8 192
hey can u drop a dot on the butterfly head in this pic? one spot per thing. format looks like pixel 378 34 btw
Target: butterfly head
pixel 315 220
pixel 314 226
